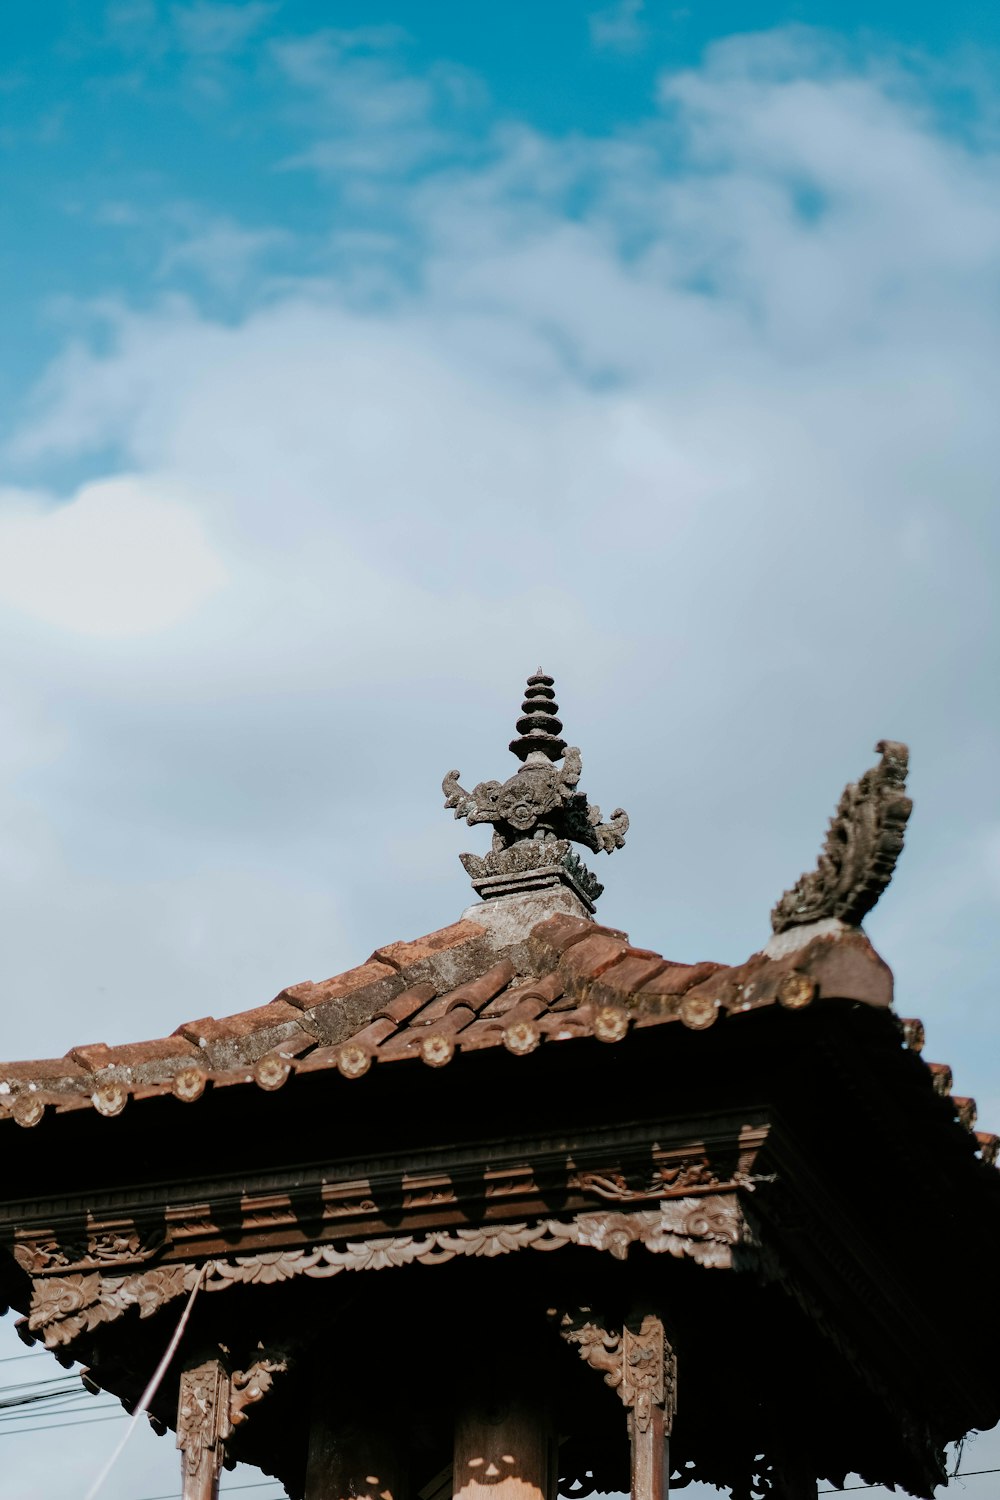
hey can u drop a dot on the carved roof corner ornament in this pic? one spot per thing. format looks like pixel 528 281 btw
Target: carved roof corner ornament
pixel 537 814
pixel 863 843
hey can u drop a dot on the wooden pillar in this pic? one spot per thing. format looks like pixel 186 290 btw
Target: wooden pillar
pixel 503 1452
pixel 351 1461
pixel 649 1390
pixel 203 1424
pixel 650 1457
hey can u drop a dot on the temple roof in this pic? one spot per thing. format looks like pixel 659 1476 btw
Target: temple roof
pixel 527 966
pixel 480 983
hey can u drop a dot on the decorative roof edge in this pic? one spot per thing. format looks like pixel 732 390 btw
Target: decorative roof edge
pixel 863 843
pixel 465 989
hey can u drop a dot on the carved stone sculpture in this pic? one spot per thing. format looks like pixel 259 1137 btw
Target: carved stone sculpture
pixel 537 814
pixel 861 849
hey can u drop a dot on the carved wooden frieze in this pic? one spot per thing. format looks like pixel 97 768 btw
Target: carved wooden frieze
pixel 108 1247
pixel 354 1208
pixel 705 1229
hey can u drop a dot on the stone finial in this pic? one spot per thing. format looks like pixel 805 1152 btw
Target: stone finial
pixel 538 814
pixel 863 843
pixel 538 727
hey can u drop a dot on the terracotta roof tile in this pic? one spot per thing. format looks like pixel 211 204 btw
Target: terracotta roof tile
pixel 483 1033
pixel 338 1006
pixel 406 1003
pixel 133 1056
pixel 556 934
pixel 136 1064
pixel 549 987
pixel 590 957
pixel 676 979
pixel 624 978
pixel 50 1070
pixel 403 956
pixel 477 992
pixel 249 1034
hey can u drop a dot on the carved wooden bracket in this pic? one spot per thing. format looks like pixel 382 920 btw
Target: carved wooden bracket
pixel 202 1425
pixel 638 1362
pixel 211 1402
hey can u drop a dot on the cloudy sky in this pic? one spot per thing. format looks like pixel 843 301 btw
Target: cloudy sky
pixel 358 357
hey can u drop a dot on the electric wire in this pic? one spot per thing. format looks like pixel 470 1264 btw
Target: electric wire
pixel 55 1409
pixel 151 1389
pixel 70 1395
pixel 117 1416
pixel 965 1474
pixel 231 1489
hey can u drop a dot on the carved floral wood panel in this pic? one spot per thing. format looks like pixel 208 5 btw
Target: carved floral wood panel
pixel 705 1229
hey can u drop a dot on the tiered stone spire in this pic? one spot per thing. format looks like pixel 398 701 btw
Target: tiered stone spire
pixel 538 814
pixel 539 729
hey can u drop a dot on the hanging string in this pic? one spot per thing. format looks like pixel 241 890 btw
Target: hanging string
pixel 151 1388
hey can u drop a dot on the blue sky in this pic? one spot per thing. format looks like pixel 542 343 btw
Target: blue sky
pixel 355 359
pixel 125 126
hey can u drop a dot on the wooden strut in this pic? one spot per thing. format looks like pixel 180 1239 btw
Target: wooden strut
pixel 211 1402
pixel 648 1388
pixel 640 1363
pixel 202 1427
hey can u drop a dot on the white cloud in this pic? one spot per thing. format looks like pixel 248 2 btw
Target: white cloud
pixel 223 252
pixel 716 446
pixel 619 27
pixel 208 29
pixel 123 557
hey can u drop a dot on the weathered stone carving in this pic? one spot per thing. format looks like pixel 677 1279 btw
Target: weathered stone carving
pixel 705 1229
pixel 861 849
pixel 538 814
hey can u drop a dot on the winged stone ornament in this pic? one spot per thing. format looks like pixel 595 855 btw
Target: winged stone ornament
pixel 538 813
pixel 863 843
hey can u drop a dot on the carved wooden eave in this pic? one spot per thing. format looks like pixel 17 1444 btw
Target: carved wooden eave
pixel 706 1229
